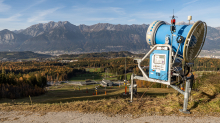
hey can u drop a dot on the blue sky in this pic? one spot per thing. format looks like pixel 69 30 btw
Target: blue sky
pixel 20 14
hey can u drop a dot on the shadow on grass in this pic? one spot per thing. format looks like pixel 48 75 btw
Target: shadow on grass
pixel 93 97
pixel 67 94
pixel 210 97
pixel 57 96
pixel 151 94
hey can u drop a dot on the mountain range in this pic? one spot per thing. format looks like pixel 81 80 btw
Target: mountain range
pixel 99 37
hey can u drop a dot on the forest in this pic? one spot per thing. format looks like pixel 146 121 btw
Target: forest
pixel 21 79
pixel 206 64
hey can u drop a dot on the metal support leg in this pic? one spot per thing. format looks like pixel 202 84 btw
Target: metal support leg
pixel 186 98
pixel 132 84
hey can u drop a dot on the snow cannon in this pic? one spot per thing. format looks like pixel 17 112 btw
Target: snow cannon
pixel 173 50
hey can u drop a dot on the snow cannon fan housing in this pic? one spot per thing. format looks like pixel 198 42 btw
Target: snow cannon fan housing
pixel 194 38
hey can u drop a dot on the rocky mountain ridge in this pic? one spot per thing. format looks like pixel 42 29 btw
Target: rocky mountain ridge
pixel 99 37
pixel 96 38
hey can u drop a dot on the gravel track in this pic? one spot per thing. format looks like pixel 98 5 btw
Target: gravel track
pixel 77 117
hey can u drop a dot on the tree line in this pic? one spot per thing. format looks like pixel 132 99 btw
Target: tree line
pixel 21 79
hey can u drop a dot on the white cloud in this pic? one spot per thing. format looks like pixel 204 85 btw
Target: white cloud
pixel 12 18
pixel 100 19
pixel 101 1
pixel 146 15
pixel 15 21
pixel 34 4
pixel 193 1
pixel 131 20
pixel 207 14
pixel 213 22
pixel 88 10
pixel 4 7
pixel 86 13
pixel 201 11
pixel 117 10
pixel 40 16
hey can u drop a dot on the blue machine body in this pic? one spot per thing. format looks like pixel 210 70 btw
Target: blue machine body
pixel 164 30
pixel 159 64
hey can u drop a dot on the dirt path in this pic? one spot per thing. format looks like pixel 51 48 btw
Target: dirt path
pixel 76 117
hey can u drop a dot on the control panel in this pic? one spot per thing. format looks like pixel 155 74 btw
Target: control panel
pixel 159 63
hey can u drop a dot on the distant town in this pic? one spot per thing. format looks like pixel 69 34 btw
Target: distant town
pixel 203 54
pixel 60 52
pixel 209 54
pixel 54 55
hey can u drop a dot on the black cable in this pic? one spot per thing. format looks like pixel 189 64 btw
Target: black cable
pixel 188 70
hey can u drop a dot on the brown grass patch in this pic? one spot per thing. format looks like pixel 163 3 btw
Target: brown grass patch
pixel 16 118
pixel 3 119
pixel 161 105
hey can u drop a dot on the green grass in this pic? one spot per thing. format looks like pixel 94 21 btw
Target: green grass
pixel 93 69
pixel 10 54
pixel 29 59
pixel 109 76
pixel 83 77
pixel 98 76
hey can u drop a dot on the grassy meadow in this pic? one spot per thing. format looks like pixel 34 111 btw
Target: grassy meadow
pixel 204 100
pixel 70 93
pixel 97 75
